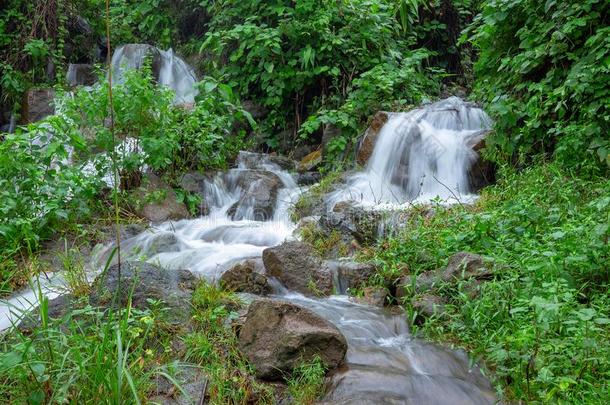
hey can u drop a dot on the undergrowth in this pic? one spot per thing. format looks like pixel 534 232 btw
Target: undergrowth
pixel 542 325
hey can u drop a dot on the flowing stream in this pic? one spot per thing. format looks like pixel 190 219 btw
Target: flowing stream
pixel 419 156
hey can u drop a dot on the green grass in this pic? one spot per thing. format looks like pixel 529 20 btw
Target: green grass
pixel 542 326
pixel 306 385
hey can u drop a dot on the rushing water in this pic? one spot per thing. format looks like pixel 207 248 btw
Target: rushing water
pixel 385 364
pixel 420 155
pixel 169 69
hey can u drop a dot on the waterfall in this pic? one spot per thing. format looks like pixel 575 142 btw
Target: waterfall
pixel 421 155
pixel 168 69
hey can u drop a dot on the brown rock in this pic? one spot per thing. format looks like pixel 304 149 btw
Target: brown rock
pixel 37 104
pixel 297 266
pixel 367 145
pixel 310 162
pixel 428 305
pixel 243 277
pixel 166 208
pixel 375 296
pixel 277 336
pixel 464 265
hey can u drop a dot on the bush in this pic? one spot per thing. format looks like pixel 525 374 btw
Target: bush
pixel 543 71
pixel 543 324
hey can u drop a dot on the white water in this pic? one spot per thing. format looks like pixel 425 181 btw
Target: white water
pixel 420 156
pixel 169 69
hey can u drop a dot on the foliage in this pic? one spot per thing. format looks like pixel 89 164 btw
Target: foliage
pixel 543 71
pixel 85 355
pixel 214 346
pixel 543 324
pixel 298 58
pixel 306 384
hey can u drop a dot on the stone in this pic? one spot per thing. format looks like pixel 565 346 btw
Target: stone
pixel 37 105
pixel 369 139
pixel 355 222
pixel 277 336
pixel 192 382
pixel 298 267
pixel 482 172
pixel 259 195
pixel 164 208
pixel 308 178
pixel 428 305
pixel 256 110
pixel 80 74
pixel 329 133
pixel 373 295
pixel 464 265
pixel 350 274
pixel 194 183
pixel 143 282
pixel 310 162
pixel 243 277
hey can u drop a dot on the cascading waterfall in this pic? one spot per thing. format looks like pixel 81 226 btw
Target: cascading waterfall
pixel 169 69
pixel 419 156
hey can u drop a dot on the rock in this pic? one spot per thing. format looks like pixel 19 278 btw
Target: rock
pixel 308 178
pixel 243 277
pixel 297 266
pixel 259 196
pixel 310 162
pixel 194 183
pixel 482 173
pixel 428 305
pixel 256 110
pixel 369 139
pixel 278 336
pixel 464 265
pixel 149 282
pixel 37 104
pixel 329 133
pixel 162 207
pixel 58 307
pixel 265 162
pixel 356 222
pixel 191 380
pixel 80 74
pixel 375 296
pixel 350 274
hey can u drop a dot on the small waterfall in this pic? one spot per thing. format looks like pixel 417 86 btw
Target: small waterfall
pixel 421 155
pixel 168 69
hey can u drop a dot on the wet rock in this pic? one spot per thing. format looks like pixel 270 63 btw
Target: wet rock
pixel 191 381
pixel 144 282
pixel 259 196
pixel 194 183
pixel 37 104
pixel 428 305
pixel 375 296
pixel 297 266
pixel 482 173
pixel 80 74
pixel 350 274
pixel 464 265
pixel 263 161
pixel 369 139
pixel 58 308
pixel 308 178
pixel 356 222
pixel 244 277
pixel 159 201
pixel 163 242
pixel 278 336
pixel 310 162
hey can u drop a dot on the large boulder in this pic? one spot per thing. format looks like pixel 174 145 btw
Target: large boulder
pixel 37 104
pixel 369 139
pixel 158 201
pixel 259 195
pixel 278 336
pixel 245 277
pixel 464 265
pixel 144 283
pixel 310 162
pixel 300 269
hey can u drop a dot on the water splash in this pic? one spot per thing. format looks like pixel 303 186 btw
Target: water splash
pixel 420 156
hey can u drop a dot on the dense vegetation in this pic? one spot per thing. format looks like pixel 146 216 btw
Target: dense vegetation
pixel 318 70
